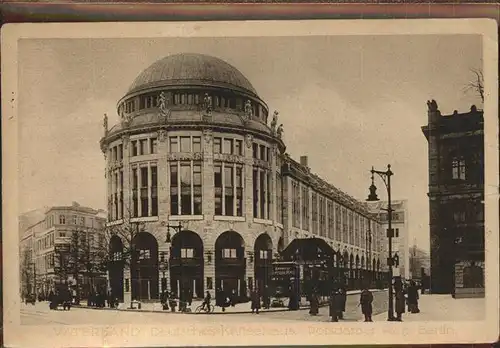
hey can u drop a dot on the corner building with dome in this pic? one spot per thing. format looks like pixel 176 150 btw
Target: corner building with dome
pixel 197 172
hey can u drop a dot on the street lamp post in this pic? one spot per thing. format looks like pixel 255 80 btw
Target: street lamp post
pixel 168 240
pixel 372 197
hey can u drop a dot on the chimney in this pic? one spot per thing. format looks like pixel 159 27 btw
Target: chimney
pixel 303 161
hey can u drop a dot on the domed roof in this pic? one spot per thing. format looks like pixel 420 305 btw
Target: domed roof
pixel 191 69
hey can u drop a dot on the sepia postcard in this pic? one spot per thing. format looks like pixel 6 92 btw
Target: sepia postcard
pixel 250 183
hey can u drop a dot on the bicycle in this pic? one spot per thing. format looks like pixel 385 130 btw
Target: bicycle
pixel 207 309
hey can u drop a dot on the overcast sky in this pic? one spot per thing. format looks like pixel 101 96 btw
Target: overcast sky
pixel 346 102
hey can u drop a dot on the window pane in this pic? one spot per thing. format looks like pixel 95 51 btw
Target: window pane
pixel 154 144
pixel 143 147
pixel 174 144
pixel 255 150
pixel 174 191
pixel 229 195
pixel 218 175
pixel 238 150
pixel 218 189
pixel 196 144
pixel 197 175
pixel 185 176
pixel 217 145
pixel 228 146
pixel 262 152
pixel 185 144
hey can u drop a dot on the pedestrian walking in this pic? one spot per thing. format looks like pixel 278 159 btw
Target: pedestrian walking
pixel 365 301
pixel 413 298
pixel 343 293
pixel 255 298
pixel 336 301
pixel 400 298
pixel 314 303
pixel 266 298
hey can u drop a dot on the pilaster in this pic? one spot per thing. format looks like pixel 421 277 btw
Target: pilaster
pixel 248 179
pixel 127 193
pixel 163 176
pixel 208 197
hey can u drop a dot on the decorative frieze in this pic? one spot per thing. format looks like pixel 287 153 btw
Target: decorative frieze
pixel 185 156
pixel 223 157
pixel 261 163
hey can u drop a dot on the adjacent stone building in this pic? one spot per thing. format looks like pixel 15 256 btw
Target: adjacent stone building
pixel 198 165
pixel 44 243
pixel 456 201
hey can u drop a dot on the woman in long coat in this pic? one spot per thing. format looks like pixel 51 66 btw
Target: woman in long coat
pixel 343 293
pixel 314 302
pixel 365 300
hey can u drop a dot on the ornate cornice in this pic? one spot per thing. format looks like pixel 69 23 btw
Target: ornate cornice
pixel 223 157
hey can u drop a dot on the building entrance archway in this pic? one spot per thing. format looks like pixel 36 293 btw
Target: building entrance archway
pixel 230 265
pixel 115 267
pixel 186 265
pixel 144 267
pixel 263 260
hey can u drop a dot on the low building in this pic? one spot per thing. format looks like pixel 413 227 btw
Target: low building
pixel 45 246
pixel 419 263
pixel 456 201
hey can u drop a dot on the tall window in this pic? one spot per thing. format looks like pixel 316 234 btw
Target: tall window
pixel 351 227
pixel 331 226
pixel 174 189
pixel 228 190
pixel 135 184
pixel 228 146
pixel 239 190
pixel 305 208
pixel 279 203
pixel 238 147
pixel 197 189
pixel 185 177
pixel 228 182
pixel 263 193
pixel 143 147
pixel 345 232
pixel 255 181
pixel 458 169
pixel 314 213
pixel 121 194
pixel 218 188
pixel 115 198
pixel 144 191
pixel 295 204
pixel 62 219
pixel 154 191
pixel 322 217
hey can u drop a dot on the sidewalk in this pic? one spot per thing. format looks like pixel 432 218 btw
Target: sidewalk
pixel 241 308
pixel 443 308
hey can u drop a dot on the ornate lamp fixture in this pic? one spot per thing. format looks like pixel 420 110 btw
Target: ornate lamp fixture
pixel 176 228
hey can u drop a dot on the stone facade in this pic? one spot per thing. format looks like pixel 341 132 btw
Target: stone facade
pixel 456 200
pixel 196 149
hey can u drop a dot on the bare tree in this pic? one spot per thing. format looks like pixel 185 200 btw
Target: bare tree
pixel 476 85
pixel 126 232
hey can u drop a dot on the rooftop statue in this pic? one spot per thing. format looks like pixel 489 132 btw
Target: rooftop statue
pixel 274 122
pixel 432 106
pixel 162 103
pixel 248 110
pixel 105 124
pixel 279 132
pixel 207 103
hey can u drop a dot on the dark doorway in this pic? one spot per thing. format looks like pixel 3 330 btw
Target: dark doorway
pixel 115 267
pixel 144 267
pixel 186 265
pixel 263 261
pixel 230 265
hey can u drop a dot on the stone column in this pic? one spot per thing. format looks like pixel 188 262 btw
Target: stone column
pixel 208 208
pixel 127 192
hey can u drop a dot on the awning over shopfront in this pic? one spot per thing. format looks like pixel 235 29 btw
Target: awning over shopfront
pixel 308 250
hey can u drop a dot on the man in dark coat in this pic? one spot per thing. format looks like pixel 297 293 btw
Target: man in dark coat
pixel 255 298
pixel 314 303
pixel 335 304
pixel 343 292
pixel 266 298
pixel 365 301
pixel 413 298
pixel 400 298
